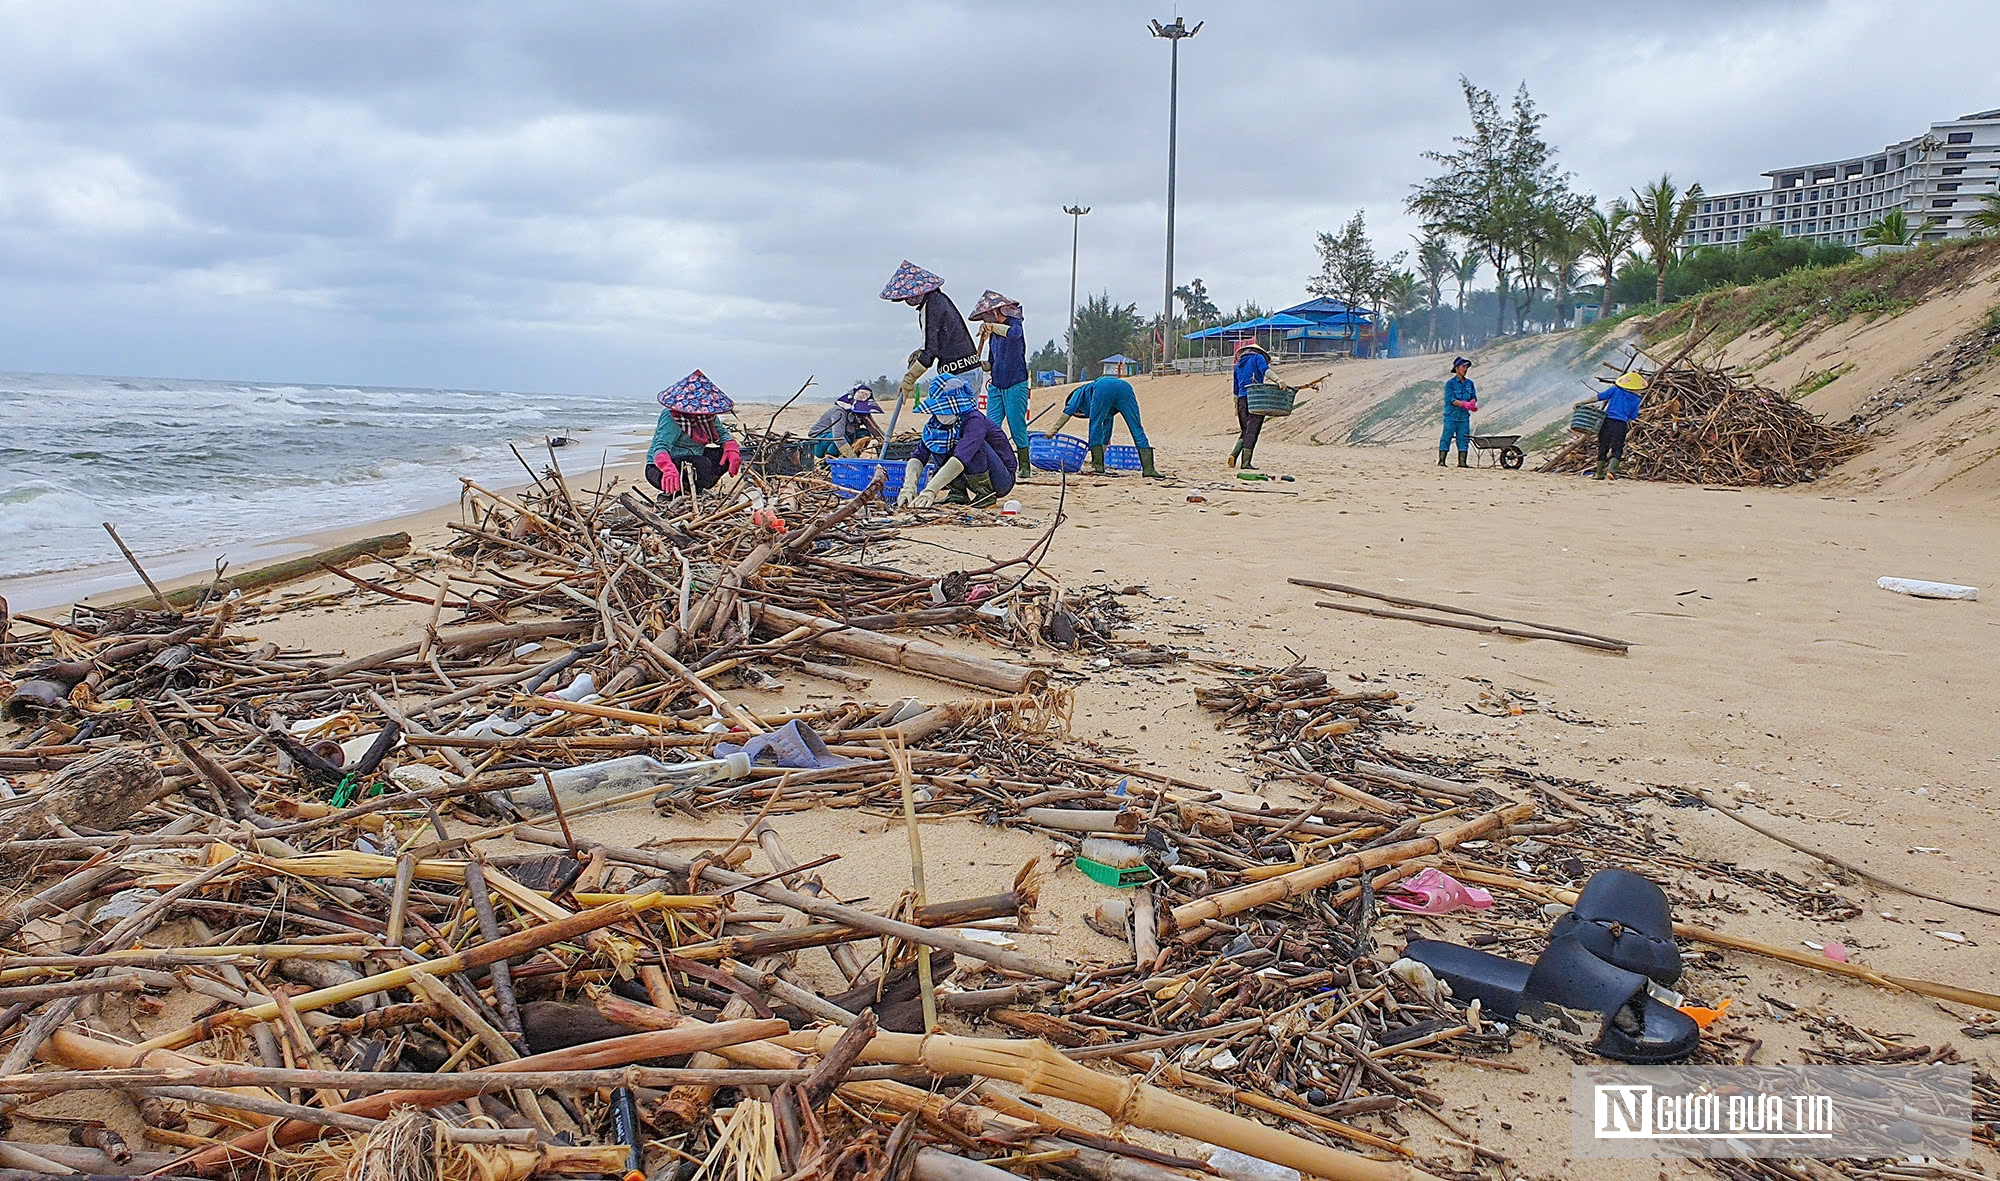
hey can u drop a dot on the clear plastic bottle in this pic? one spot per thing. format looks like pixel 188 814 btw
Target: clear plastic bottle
pixel 611 777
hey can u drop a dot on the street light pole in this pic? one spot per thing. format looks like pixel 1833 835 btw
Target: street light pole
pixel 1076 213
pixel 1175 34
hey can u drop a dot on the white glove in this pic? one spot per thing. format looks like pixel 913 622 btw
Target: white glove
pixel 913 470
pixel 951 469
pixel 1055 430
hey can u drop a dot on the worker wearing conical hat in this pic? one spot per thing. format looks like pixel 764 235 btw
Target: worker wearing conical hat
pixel 1621 410
pixel 690 442
pixel 1006 345
pixel 947 346
pixel 1253 365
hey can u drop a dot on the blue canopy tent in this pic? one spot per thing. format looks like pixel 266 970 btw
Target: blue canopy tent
pixel 1331 326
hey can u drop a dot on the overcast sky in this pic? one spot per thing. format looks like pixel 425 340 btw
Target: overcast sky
pixel 601 196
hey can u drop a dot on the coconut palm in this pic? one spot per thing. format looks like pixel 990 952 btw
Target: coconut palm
pixel 1895 230
pixel 1434 265
pixel 1661 215
pixel 1607 238
pixel 1987 220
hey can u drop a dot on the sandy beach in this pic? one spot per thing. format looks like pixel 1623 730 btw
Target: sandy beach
pixel 1766 671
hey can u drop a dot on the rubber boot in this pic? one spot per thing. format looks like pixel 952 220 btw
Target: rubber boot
pixel 1611 471
pixel 1599 473
pixel 1097 461
pixel 1235 451
pixel 1441 456
pixel 979 491
pixel 1026 463
pixel 1461 459
pixel 1146 467
pixel 1247 462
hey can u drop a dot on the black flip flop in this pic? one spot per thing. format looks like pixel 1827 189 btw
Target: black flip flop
pixel 1623 919
pixel 1569 994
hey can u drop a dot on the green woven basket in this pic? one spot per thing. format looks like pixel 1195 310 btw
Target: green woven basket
pixel 1270 400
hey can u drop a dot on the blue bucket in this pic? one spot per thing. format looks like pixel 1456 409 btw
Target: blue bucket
pixel 851 476
pixel 1063 453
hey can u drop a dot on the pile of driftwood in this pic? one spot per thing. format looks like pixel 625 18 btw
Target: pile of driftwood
pixel 309 914
pixel 1704 424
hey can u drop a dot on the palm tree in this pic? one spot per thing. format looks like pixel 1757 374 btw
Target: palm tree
pixel 1607 238
pixel 1987 220
pixel 1466 271
pixel 1434 265
pixel 1895 230
pixel 1661 215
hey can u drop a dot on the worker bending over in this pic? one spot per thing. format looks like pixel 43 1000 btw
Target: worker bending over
pixel 690 444
pixel 1100 402
pixel 947 343
pixel 848 426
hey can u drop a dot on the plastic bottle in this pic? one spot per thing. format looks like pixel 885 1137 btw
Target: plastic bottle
pixel 583 686
pixel 1238 1166
pixel 631 773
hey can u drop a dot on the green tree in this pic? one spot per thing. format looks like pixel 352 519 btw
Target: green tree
pixel 1199 309
pixel 1494 188
pixel 1661 214
pixel 1468 270
pixel 1987 220
pixel 1051 357
pixel 1348 269
pixel 1566 247
pixel 883 388
pixel 1607 238
pixel 1102 329
pixel 1435 264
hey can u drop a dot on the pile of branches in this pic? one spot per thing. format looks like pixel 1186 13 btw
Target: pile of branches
pixel 1700 424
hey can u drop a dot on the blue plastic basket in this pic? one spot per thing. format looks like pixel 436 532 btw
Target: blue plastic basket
pixel 1125 459
pixel 1063 453
pixel 851 476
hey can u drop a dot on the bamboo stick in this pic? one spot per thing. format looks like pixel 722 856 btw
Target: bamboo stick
pixel 1189 916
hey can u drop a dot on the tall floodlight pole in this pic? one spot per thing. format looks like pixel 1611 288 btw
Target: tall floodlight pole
pixel 1174 33
pixel 1076 213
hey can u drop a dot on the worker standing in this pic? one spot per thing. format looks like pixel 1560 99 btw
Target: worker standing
pixel 1005 343
pixel 1101 401
pixel 1461 398
pixel 1621 410
pixel 1253 364
pixel 947 343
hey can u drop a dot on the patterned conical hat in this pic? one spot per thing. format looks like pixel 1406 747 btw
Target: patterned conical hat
pixel 696 394
pixel 909 281
pixel 990 303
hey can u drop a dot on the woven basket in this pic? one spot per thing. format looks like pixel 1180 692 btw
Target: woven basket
pixel 1270 400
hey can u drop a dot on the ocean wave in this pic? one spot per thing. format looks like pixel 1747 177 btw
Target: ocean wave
pixel 36 506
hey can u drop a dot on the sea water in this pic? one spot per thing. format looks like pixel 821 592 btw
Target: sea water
pixel 184 467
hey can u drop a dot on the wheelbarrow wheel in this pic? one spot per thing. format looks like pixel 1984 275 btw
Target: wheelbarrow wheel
pixel 1512 459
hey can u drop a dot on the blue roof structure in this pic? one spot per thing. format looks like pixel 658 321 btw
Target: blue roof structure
pixel 1118 359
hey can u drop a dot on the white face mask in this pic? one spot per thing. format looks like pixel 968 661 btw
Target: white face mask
pixel 946 419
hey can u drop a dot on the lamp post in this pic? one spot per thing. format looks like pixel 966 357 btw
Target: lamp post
pixel 1174 33
pixel 1076 213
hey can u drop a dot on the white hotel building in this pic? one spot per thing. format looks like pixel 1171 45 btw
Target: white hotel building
pixel 1939 175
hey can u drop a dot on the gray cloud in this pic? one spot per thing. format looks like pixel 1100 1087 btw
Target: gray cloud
pixel 604 196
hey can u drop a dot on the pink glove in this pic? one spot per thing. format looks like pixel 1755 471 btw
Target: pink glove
pixel 732 457
pixel 670 476
pixel 1472 405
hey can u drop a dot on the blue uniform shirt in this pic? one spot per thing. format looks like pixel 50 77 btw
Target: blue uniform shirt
pixel 1622 404
pixel 1009 353
pixel 1458 389
pixel 1093 399
pixel 1251 368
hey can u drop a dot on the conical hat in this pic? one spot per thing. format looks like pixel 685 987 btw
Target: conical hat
pixel 990 303
pixel 696 394
pixel 910 281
